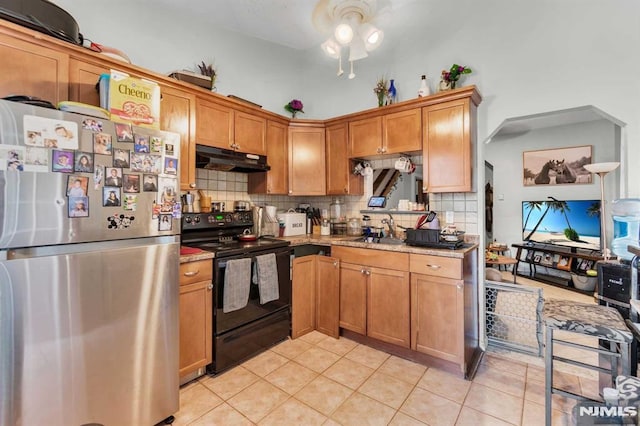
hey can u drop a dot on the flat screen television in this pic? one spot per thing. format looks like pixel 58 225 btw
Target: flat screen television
pixel 574 223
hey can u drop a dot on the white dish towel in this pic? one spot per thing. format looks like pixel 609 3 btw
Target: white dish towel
pixel 265 275
pixel 237 280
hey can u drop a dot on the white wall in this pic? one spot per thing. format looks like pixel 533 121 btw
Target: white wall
pixel 506 156
pixel 528 57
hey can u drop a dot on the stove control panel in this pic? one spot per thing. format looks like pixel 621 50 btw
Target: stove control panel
pixel 216 220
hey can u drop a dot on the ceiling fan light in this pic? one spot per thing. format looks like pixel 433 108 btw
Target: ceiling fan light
pixel 331 48
pixel 357 49
pixel 372 36
pixel 344 33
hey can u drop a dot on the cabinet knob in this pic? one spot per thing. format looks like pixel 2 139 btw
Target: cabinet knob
pixel 384 150
pixel 367 272
pixel 191 273
pixel 210 287
pixel 433 266
pixel 290 191
pixel 192 185
pixel 362 271
pixel 459 286
pixel 335 264
pixel 346 190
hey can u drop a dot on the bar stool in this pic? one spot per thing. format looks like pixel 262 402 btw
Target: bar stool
pixel 593 320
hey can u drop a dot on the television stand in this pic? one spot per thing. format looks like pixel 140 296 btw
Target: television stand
pixel 561 259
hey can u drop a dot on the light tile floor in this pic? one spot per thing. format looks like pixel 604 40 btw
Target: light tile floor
pixel 319 380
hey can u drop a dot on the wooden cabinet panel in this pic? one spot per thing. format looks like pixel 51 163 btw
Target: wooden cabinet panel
pixel 303 296
pixel 214 124
pixel 388 306
pixel 83 78
pixel 306 161
pixel 353 298
pixel 32 70
pixel 437 317
pixel 193 272
pixel 340 179
pixel 402 131
pixel 196 315
pixel 446 267
pixel 447 146
pixel 276 180
pixel 196 326
pixel 177 114
pixel 365 137
pixel 375 258
pixel 328 296
pixel 249 133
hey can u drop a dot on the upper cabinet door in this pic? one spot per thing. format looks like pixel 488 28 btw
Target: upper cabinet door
pixel 177 114
pixel 214 124
pixel 32 70
pixel 83 78
pixel 447 147
pixel 306 161
pixel 276 180
pixel 250 133
pixel 365 137
pixel 402 131
pixel 340 179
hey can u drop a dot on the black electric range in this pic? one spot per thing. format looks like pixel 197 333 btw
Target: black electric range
pixel 220 233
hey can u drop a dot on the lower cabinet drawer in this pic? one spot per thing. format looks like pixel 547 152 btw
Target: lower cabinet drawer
pixel 193 272
pixel 445 267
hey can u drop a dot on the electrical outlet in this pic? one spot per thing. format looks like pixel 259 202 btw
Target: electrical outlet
pixel 448 217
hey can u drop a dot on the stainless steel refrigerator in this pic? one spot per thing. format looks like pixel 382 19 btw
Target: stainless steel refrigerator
pixel 88 270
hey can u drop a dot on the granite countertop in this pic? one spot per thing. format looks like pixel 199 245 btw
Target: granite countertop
pixel 347 241
pixel 192 257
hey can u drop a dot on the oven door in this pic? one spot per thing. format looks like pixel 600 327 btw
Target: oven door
pixel 224 322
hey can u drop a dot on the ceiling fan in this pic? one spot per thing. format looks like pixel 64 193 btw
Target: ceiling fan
pixel 349 23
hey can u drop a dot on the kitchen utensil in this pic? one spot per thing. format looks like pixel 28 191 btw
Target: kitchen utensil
pixel 187 203
pixel 340 70
pixel 247 236
pixel 352 75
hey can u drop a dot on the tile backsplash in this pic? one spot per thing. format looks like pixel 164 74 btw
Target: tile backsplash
pixel 228 187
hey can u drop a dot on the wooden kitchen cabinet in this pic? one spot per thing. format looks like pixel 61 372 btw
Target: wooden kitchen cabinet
pixel 340 179
pixel 434 299
pixel 177 114
pixel 444 310
pixel 388 306
pixel 448 142
pixel 223 127
pixel 276 180
pixel 83 78
pixel 214 124
pixel 328 296
pixel 392 133
pixel 365 137
pixel 306 159
pixel 353 298
pixel 315 293
pixel 303 296
pixel 374 300
pixel 196 320
pixel 33 70
pixel 249 133
pixel 402 131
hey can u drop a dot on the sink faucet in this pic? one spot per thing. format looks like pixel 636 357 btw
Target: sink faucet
pixel 391 224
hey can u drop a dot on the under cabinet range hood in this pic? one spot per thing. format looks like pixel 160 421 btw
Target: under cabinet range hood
pixel 226 160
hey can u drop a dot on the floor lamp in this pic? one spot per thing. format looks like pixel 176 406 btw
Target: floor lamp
pixel 601 169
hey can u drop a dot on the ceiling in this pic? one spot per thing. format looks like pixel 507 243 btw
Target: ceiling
pixel 285 22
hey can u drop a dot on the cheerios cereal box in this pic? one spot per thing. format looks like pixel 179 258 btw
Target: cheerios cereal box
pixel 134 100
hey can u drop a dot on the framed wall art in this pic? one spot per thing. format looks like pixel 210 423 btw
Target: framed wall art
pixel 558 166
